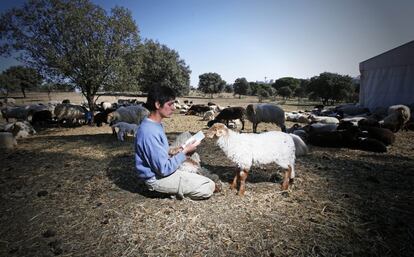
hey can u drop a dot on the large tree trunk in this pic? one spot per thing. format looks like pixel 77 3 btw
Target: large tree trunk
pixel 91 104
pixel 24 93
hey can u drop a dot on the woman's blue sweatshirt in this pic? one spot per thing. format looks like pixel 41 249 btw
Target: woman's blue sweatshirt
pixel 151 152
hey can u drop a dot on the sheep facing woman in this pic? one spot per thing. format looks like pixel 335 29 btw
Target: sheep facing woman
pixel 257 113
pixel 193 162
pixel 248 149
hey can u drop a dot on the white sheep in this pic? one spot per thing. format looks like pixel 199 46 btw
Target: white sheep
pixel 406 114
pixel 257 113
pixel 7 141
pixel 69 112
pixel 106 105
pixel 124 129
pixel 398 115
pixel 209 115
pixel 130 114
pixel 354 120
pixel 323 119
pixel 20 129
pixel 248 149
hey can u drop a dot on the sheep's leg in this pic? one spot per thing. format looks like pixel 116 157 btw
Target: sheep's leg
pixel 254 127
pixel 288 172
pixel 235 179
pixel 242 121
pixel 243 176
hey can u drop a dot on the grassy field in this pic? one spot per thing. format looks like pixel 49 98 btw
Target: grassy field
pixel 73 192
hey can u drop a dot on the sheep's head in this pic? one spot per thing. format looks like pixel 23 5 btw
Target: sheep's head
pixel 110 117
pixel 218 129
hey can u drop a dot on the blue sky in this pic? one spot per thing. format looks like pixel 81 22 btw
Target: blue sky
pixel 259 39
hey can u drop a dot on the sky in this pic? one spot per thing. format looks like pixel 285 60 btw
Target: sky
pixel 268 39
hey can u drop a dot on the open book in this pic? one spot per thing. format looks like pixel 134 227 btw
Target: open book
pixel 196 137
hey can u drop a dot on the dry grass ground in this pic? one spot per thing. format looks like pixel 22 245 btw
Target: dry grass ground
pixel 73 192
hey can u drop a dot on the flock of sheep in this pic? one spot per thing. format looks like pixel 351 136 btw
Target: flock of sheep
pixel 343 126
pixel 123 116
pixel 347 126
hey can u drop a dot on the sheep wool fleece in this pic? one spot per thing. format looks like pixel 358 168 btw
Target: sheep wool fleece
pixel 159 170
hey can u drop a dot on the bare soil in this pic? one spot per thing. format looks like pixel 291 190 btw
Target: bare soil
pixel 73 192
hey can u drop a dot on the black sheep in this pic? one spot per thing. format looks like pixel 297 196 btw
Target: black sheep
pixel 369 144
pixel 41 118
pixel 102 117
pixel 230 113
pixel 198 109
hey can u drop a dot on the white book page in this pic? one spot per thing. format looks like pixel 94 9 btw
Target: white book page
pixel 195 138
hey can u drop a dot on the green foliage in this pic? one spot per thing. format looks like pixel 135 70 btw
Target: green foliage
pixel 21 77
pixel 163 66
pixel 301 90
pixel 241 86
pixel 253 87
pixel 211 83
pixel 262 93
pixel 331 87
pixel 74 41
pixel 229 88
pixel 7 83
pixel 290 82
pixel 285 92
pixel 257 89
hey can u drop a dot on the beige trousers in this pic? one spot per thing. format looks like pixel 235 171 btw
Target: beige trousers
pixel 184 184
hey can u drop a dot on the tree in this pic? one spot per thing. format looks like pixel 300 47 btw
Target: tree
pixel 23 77
pixel 330 87
pixel 253 87
pixel 163 66
pixel 241 86
pixel 229 88
pixel 7 84
pixel 285 92
pixel 262 93
pixel 211 83
pixel 290 82
pixel 74 41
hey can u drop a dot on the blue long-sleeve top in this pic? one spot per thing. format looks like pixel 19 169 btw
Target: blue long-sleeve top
pixel 151 152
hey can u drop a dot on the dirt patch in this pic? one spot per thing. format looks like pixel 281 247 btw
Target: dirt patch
pixel 73 192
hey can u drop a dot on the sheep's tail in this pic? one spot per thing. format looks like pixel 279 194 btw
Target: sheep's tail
pixel 300 146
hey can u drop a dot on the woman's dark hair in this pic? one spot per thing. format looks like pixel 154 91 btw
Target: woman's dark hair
pixel 162 94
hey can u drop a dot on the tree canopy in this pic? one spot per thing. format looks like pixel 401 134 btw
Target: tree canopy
pixel 74 41
pixel 290 82
pixel 211 83
pixel 163 66
pixel 331 87
pixel 241 86
pixel 285 92
pixel 21 77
